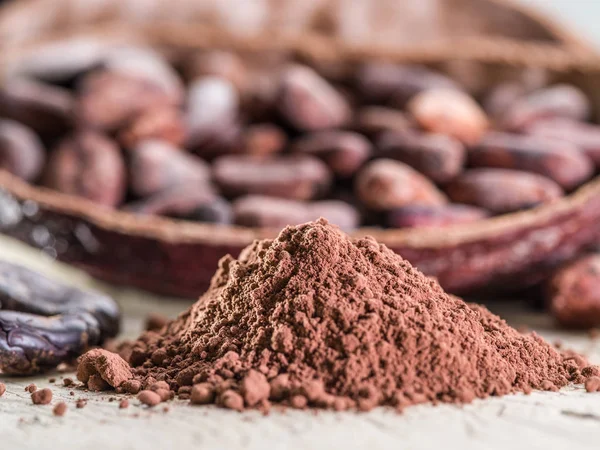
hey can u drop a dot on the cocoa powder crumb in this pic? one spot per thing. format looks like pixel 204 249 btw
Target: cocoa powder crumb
pixel 313 318
pixel 80 403
pixel 592 384
pixel 99 364
pixel 31 388
pixel 60 409
pixel 41 397
pixel 52 380
pixel 132 387
pixel 156 321
pixel 149 398
pixel 67 382
pixel 124 404
pixel 2 389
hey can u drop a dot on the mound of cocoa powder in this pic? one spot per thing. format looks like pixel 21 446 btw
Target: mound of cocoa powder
pixel 314 318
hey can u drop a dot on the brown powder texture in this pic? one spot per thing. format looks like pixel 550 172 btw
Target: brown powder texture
pixel 314 319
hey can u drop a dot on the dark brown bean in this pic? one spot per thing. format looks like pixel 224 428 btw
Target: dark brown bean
pixel 417 216
pixel 380 82
pixel 166 124
pixel 558 160
pixel 584 135
pixel 437 156
pixel 561 100
pixel 373 120
pixel 46 109
pixel 450 112
pixel 298 177
pixel 501 190
pixel 308 102
pixel 343 151
pixel 21 151
pixel 218 63
pixel 263 139
pixel 271 212
pixel 573 293
pixel 88 165
pixel 156 166
pixel 386 184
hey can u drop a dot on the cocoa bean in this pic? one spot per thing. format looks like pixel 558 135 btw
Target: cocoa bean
pixel 501 190
pixel 373 120
pixel 573 293
pixel 157 165
pixel 263 139
pixel 561 100
pixel 385 184
pixel 559 160
pixel 450 112
pixel 21 151
pixel 308 102
pixel 166 124
pixel 297 177
pixel 46 109
pixel 88 165
pixel 439 157
pixel 417 216
pixel 343 151
pixel 218 63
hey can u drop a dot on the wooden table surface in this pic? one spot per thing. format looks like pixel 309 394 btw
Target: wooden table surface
pixel 566 419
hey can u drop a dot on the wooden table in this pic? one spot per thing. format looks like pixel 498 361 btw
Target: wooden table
pixel 566 419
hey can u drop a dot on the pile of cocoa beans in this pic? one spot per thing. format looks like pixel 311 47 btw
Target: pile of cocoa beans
pixel 269 140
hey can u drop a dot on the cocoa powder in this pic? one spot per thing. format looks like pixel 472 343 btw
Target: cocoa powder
pixel 314 319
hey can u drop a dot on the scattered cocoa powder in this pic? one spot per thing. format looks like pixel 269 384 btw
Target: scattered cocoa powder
pixel 2 389
pixel 124 404
pixel 81 403
pixel 313 318
pixel 31 388
pixel 592 384
pixel 100 369
pixel 41 397
pixel 155 321
pixel 68 382
pixel 60 409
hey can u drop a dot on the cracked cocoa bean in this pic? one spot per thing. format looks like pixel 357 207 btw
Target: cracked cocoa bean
pixel 374 120
pixel 46 109
pixel 44 322
pixel 297 177
pixel 21 151
pixel 343 151
pixel 417 216
pixel 166 124
pixel 385 184
pixel 558 160
pixel 573 293
pixel 437 156
pixel 155 166
pixel 308 102
pixel 88 165
pixel 502 190
pixel 561 100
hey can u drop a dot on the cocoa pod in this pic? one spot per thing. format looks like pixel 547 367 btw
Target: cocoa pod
pixel 558 160
pixel 194 202
pixel 439 157
pixel 271 212
pixel 21 151
pixel 308 102
pixel 263 139
pixel 44 322
pixel 218 63
pixel 157 165
pixel 502 190
pixel 88 165
pixel 109 100
pixel 450 112
pixel 373 120
pixel 380 82
pixel 385 184
pixel 561 100
pixel 297 177
pixel 573 293
pixel 417 216
pixel 584 135
pixel 343 151
pixel 46 109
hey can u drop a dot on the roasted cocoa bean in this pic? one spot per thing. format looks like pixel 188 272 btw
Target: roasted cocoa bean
pixel 218 63
pixel 166 124
pixel 297 177
pixel 450 112
pixel 108 101
pixel 437 156
pixel 88 165
pixel 46 109
pixel 263 139
pixel 501 190
pixel 157 165
pixel 584 135
pixel 561 100
pixel 559 160
pixel 44 322
pixel 385 82
pixel 573 293
pixel 190 202
pixel 308 102
pixel 269 212
pixel 343 151
pixel 21 151
pixel 373 120
pixel 417 216
pixel 386 184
